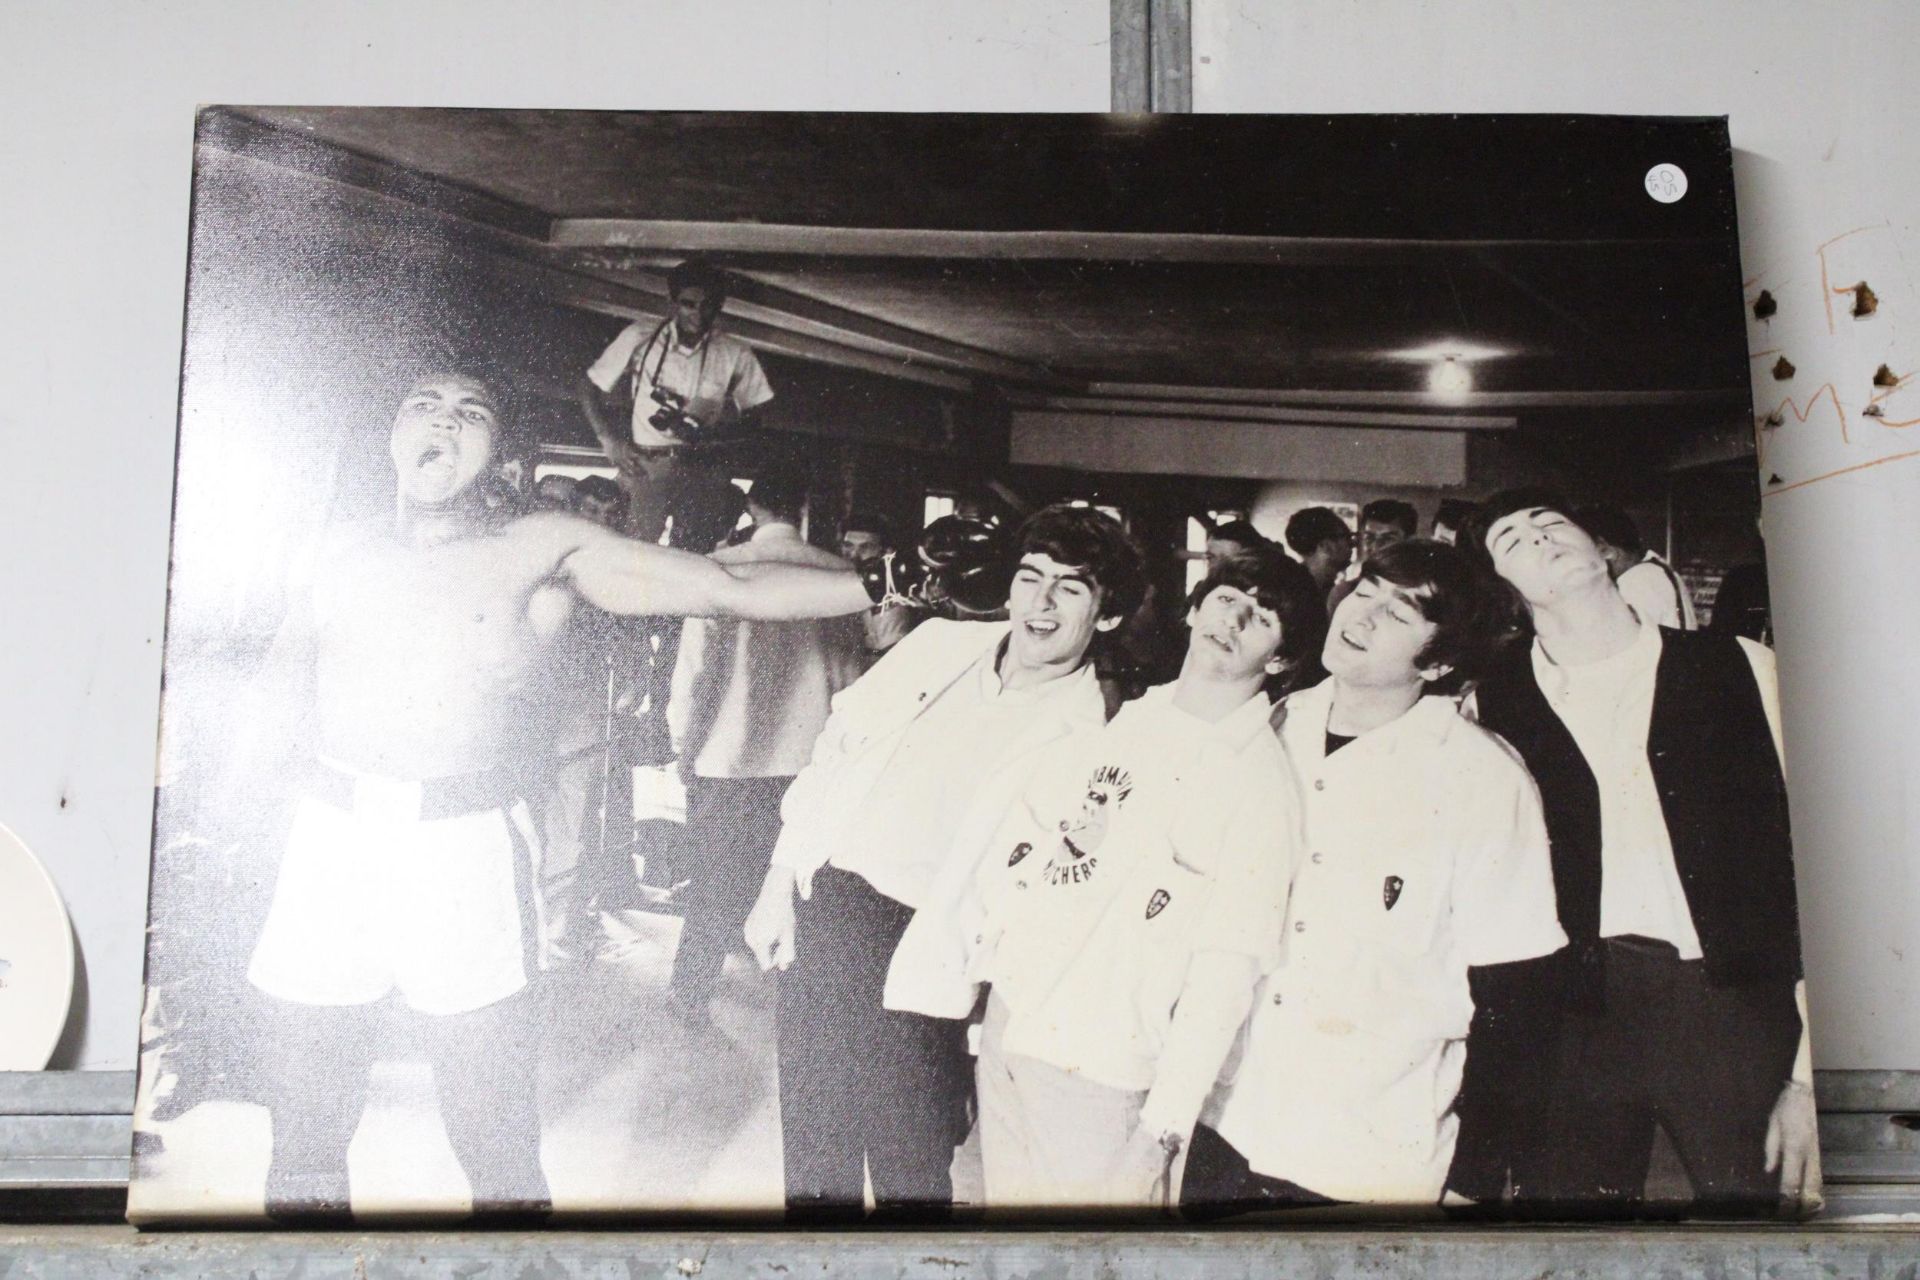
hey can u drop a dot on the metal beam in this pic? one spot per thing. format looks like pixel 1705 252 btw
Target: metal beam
pixel 798 313
pixel 66 1093
pixel 1586 399
pixel 1131 53
pixel 652 236
pixel 1222 411
pixel 1426 1250
pixel 1170 38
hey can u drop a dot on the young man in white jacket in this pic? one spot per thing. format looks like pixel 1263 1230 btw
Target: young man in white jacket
pixel 919 759
pixel 1426 864
pixel 1131 901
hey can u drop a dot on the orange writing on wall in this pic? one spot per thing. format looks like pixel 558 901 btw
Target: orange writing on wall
pixel 1836 319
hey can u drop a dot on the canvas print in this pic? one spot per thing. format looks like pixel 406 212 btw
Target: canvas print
pixel 925 668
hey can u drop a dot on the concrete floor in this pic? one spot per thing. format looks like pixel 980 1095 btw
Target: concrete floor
pixel 640 1113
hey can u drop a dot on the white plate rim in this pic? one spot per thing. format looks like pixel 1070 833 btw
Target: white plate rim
pixel 32 1052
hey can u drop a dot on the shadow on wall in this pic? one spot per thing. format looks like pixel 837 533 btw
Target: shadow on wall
pixel 66 1053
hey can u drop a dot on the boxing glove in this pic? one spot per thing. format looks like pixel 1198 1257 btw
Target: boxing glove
pixel 893 579
pixel 958 562
pixel 966 564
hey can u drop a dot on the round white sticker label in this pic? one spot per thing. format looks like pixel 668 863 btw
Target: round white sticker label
pixel 1666 183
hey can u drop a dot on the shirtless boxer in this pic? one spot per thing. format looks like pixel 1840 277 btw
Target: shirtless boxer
pixel 409 866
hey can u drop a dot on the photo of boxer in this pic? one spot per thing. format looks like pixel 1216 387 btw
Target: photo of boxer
pixel 882 669
pixel 407 869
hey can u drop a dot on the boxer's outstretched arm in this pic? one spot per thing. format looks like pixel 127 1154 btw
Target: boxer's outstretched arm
pixel 623 576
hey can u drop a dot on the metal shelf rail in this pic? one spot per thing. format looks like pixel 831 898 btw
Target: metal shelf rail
pixel 65 1138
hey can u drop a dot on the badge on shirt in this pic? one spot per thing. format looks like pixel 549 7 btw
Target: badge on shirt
pixel 1158 902
pixel 1106 794
pixel 1390 891
pixel 1082 832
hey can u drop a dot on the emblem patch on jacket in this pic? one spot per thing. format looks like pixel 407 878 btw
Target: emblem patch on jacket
pixel 1107 790
pixel 1390 891
pixel 1020 851
pixel 1082 832
pixel 1158 902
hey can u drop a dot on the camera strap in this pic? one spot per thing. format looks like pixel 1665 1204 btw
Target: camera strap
pixel 665 342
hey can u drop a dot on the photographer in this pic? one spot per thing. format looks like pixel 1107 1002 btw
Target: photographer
pixel 681 381
pixel 684 376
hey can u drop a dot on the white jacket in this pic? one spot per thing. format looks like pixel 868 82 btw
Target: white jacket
pixel 870 719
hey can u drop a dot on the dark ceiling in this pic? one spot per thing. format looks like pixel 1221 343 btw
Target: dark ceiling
pixel 1566 320
pixel 1289 255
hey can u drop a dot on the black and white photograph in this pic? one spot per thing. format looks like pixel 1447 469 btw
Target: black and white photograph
pixel 915 669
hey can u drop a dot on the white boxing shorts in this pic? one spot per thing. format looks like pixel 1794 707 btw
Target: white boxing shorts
pixel 426 889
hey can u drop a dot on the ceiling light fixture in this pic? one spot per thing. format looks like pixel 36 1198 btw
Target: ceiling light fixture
pixel 1449 379
pixel 1450 349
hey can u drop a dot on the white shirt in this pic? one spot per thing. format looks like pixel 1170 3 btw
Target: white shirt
pixel 1134 848
pixel 1608 708
pixel 899 838
pixel 720 377
pixel 871 717
pixel 749 698
pixel 1426 854
pixel 1657 594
